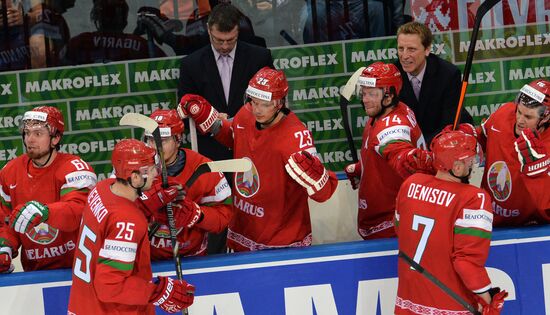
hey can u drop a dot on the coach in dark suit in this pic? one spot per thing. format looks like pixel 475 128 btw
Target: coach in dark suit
pixel 200 71
pixel 220 73
pixel 431 85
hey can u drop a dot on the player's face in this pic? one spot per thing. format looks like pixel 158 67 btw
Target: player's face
pixel 263 110
pixel 412 55
pixel 526 118
pixel 151 172
pixel 372 100
pixel 222 42
pixel 38 141
pixel 169 147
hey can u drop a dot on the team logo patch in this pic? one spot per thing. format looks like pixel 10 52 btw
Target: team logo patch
pixel 247 183
pixel 164 231
pixel 43 234
pixel 499 180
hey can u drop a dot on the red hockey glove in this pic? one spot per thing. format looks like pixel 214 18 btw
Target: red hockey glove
pixel 5 257
pixel 26 217
pixel 307 171
pixel 497 302
pixel 467 128
pixel 198 108
pixel 172 295
pixel 157 197
pixel 531 153
pixel 415 160
pixel 353 172
pixel 186 214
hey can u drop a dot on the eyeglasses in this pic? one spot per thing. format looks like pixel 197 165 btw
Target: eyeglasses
pixel 219 41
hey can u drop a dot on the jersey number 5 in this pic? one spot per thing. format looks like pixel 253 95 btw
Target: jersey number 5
pixel 428 227
pixel 80 271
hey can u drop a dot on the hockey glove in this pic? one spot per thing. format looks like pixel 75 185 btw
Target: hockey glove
pixel 198 108
pixel 157 197
pixel 172 295
pixel 497 302
pixel 467 128
pixel 353 172
pixel 307 171
pixel 531 153
pixel 26 217
pixel 415 160
pixel 5 257
pixel 150 20
pixel 186 214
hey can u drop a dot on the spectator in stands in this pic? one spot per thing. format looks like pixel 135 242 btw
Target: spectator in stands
pixel 424 74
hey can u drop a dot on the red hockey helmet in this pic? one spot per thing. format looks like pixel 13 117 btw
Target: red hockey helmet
pixel 48 116
pixel 535 94
pixel 170 123
pixel 268 84
pixel 451 146
pixel 381 75
pixel 131 155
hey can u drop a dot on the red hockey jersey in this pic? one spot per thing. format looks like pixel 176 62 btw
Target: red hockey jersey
pixel 517 199
pixel 212 193
pixel 271 209
pixel 112 267
pixel 446 228
pixel 63 187
pixel 384 139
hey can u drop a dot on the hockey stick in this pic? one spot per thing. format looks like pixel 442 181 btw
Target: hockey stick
pixel 481 11
pixel 345 96
pixel 152 127
pixel 224 166
pixel 438 283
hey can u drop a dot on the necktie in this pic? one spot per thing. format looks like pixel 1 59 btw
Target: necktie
pixel 416 86
pixel 225 74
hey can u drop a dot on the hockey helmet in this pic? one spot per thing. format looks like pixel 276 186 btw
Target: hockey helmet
pixel 131 155
pixel 48 116
pixel 170 124
pixel 535 94
pixel 381 75
pixel 451 146
pixel 268 84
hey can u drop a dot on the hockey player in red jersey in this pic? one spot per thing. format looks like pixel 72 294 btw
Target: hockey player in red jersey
pixel 271 200
pixel 207 204
pixel 516 143
pixel 445 225
pixel 43 192
pixel 112 266
pixel 392 149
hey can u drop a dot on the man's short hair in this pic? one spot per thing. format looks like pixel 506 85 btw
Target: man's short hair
pixel 225 17
pixel 426 37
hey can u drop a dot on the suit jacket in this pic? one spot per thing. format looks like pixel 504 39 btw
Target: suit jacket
pixel 438 97
pixel 199 75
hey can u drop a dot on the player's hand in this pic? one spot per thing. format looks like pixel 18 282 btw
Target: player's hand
pixel 198 108
pixel 172 295
pixel 26 217
pixel 187 213
pixel 5 257
pixel 353 172
pixel 413 161
pixel 151 20
pixel 531 153
pixel 158 197
pixel 307 171
pixel 497 302
pixel 467 128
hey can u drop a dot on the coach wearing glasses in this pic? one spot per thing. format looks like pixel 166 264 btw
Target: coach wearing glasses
pixel 220 73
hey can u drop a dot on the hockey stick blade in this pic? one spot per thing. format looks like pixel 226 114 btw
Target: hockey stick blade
pixel 345 97
pixel 480 13
pixel 224 166
pixel 139 120
pixel 417 267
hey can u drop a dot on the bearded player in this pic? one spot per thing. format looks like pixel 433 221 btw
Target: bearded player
pixel 392 149
pixel 43 192
pixel 112 266
pixel 271 200
pixel 445 225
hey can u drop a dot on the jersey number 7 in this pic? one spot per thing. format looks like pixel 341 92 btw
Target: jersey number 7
pixel 428 227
